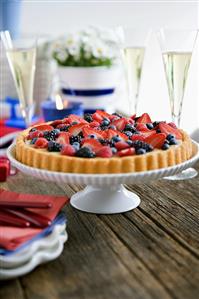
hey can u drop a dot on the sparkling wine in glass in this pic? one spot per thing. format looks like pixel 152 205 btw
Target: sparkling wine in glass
pixel 22 58
pixel 133 52
pixel 177 47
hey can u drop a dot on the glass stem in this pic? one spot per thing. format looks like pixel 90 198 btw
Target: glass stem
pixel 176 119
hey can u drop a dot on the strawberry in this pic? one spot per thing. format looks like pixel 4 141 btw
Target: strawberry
pixel 144 119
pixel 44 127
pixel 120 145
pixel 93 144
pixel 94 124
pixel 126 152
pixel 63 138
pixel 167 129
pixel 148 134
pixel 105 152
pixel 104 114
pixel 172 125
pixel 120 123
pixel 157 140
pixel 142 127
pixel 97 117
pixel 35 134
pixel 111 133
pixel 76 118
pixel 41 143
pixel 57 122
pixel 88 131
pixel 137 137
pixel 130 121
pixel 133 116
pixel 60 126
pixel 76 129
pixel 68 150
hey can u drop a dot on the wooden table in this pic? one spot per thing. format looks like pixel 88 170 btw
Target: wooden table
pixel 150 252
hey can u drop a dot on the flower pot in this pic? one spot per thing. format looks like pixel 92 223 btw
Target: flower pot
pixel 93 86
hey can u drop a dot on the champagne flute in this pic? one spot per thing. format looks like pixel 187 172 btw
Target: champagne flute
pixel 177 47
pixel 21 55
pixel 133 52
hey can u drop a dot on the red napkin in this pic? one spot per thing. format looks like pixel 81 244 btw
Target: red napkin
pixel 13 237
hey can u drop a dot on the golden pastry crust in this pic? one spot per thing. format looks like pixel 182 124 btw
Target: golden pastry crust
pixel 41 158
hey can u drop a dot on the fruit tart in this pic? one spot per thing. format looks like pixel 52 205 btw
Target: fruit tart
pixel 103 143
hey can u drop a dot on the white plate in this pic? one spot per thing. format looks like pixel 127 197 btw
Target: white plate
pixel 25 254
pixel 105 195
pixel 40 257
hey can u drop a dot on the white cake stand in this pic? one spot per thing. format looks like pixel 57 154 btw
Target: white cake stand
pixel 104 193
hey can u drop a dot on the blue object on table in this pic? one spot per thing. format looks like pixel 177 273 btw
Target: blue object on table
pixel 50 112
pixel 10 13
pixel 14 120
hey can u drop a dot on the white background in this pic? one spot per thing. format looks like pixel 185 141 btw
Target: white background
pixel 57 17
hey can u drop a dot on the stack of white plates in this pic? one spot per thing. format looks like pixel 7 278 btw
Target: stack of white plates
pixel 46 246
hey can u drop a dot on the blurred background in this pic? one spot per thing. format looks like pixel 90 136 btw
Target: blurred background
pixel 54 18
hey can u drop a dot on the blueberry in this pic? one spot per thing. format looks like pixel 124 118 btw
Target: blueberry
pixel 112 127
pixel 169 137
pixel 74 123
pixel 158 131
pixel 130 142
pixel 116 138
pixel 33 141
pixel 128 133
pixel 76 145
pixel 149 126
pixel 130 128
pixel 93 136
pixel 165 146
pixel 173 141
pixel 102 141
pixel 88 117
pixel 141 151
pixel 155 123
pixel 85 152
pixel 54 146
pixel 114 150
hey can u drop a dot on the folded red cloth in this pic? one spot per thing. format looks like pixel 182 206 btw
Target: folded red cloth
pixel 13 237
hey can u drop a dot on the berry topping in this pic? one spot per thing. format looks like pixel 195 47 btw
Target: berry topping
pixel 88 117
pixel 64 138
pixel 126 152
pixel 54 146
pixel 165 146
pixel 85 152
pixel 41 143
pixel 87 131
pixel 93 144
pixel 44 127
pixel 76 129
pixel 141 151
pixel 173 141
pixel 94 124
pixel 121 145
pixel 97 117
pixel 156 140
pixel 63 127
pixel 130 127
pixel 144 118
pixel 172 125
pixel 35 134
pixel 76 145
pixel 149 126
pixel 165 128
pixel 75 118
pixel 68 150
pixel 105 152
pixel 170 136
pixel 120 123
pixel 142 127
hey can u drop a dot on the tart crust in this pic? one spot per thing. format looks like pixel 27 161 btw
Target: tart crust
pixel 41 158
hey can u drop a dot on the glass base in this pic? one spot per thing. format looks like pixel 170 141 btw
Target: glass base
pixel 186 174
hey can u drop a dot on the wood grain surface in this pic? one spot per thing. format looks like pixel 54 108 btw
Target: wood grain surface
pixel 150 252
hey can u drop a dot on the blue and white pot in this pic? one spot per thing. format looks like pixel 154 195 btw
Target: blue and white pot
pixel 93 86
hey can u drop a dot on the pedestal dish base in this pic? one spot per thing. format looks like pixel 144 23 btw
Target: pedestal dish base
pixel 105 200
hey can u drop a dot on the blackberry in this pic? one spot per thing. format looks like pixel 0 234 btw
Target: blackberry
pixel 85 152
pixel 102 141
pixel 54 146
pixel 65 128
pixel 33 141
pixel 138 144
pixel 51 135
pixel 88 117
pixel 75 139
pixel 130 128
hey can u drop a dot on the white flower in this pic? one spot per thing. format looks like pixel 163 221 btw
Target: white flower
pixel 61 55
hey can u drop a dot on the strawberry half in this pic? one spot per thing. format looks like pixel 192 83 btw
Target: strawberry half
pixel 167 129
pixel 35 134
pixel 88 131
pixel 111 133
pixel 105 152
pixel 63 138
pixel 44 127
pixel 126 152
pixel 120 145
pixel 142 127
pixel 97 117
pixel 104 114
pixel 157 140
pixel 148 134
pixel 57 122
pixel 172 125
pixel 68 150
pixel 41 143
pixel 120 123
pixel 76 129
pixel 76 118
pixel 93 144
pixel 144 119
pixel 94 124
pixel 137 137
